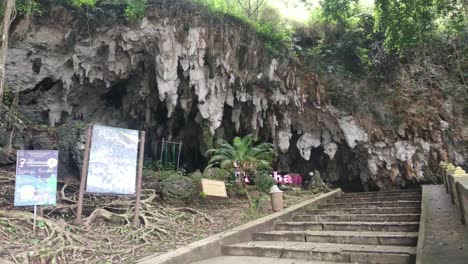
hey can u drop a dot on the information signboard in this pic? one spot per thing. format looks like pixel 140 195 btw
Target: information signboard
pixel 36 177
pixel 113 161
pixel 213 189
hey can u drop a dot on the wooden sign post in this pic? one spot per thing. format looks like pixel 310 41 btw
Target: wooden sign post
pixel 84 173
pixel 111 165
pixel 136 219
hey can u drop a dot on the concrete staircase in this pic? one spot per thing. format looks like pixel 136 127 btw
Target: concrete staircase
pixel 373 227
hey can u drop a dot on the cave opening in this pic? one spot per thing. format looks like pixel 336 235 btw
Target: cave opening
pixel 342 171
pixel 347 167
pixel 30 101
pixel 116 94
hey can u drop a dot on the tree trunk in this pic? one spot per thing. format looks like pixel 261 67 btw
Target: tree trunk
pixel 3 50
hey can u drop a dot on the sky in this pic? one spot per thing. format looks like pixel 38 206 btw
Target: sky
pixel 296 10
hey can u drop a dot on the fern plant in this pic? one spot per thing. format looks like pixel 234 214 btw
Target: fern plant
pixel 244 155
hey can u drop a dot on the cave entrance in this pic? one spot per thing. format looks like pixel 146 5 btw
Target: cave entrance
pixel 343 171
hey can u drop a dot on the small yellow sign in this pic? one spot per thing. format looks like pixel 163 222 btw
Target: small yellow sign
pixel 213 189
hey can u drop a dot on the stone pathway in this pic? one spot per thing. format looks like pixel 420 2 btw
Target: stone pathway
pixel 446 239
pixel 380 227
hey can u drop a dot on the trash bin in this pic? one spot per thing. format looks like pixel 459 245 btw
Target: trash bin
pixel 276 196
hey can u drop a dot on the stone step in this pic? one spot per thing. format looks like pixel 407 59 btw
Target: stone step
pixel 377 199
pixel 324 251
pixel 341 237
pixel 258 260
pixel 350 226
pixel 382 194
pixel 381 210
pixel 370 204
pixel 359 217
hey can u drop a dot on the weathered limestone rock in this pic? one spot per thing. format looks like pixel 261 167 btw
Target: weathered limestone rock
pixel 353 133
pixel 307 141
pixel 187 79
pixel 283 140
pixel 404 150
pixel 330 147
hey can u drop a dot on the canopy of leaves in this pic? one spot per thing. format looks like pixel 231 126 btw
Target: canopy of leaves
pixel 406 24
pixel 337 10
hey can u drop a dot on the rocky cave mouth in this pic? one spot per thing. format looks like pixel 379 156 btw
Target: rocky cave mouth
pixel 187 83
pixel 343 171
pixel 115 106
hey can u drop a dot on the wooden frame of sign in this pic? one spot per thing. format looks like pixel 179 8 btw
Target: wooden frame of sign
pixel 213 189
pixel 84 174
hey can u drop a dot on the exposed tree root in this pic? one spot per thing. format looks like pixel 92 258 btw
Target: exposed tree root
pixel 107 236
pixel 107 233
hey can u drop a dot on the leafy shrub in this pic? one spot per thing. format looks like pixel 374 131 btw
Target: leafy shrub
pixel 135 9
pixel 263 181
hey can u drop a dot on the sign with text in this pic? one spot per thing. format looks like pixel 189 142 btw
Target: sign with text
pixel 36 177
pixel 213 189
pixel 289 178
pixel 113 161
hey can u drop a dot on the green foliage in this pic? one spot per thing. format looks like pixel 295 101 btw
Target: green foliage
pixel 276 32
pixel 338 11
pixel 243 152
pixel 277 35
pixel 342 47
pixel 40 224
pixel 25 7
pixel 28 7
pixel 80 3
pixel 135 9
pixel 263 181
pixel 407 24
pixel 243 9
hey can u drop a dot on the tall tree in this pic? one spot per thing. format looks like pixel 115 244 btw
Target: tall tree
pixel 7 18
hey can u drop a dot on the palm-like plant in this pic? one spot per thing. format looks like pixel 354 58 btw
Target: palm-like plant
pixel 242 154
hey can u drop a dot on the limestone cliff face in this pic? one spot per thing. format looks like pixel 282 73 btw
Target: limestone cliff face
pixel 181 75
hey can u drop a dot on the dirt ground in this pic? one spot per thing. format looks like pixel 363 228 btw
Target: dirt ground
pixel 107 235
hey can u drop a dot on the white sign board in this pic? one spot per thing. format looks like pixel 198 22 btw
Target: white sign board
pixel 113 161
